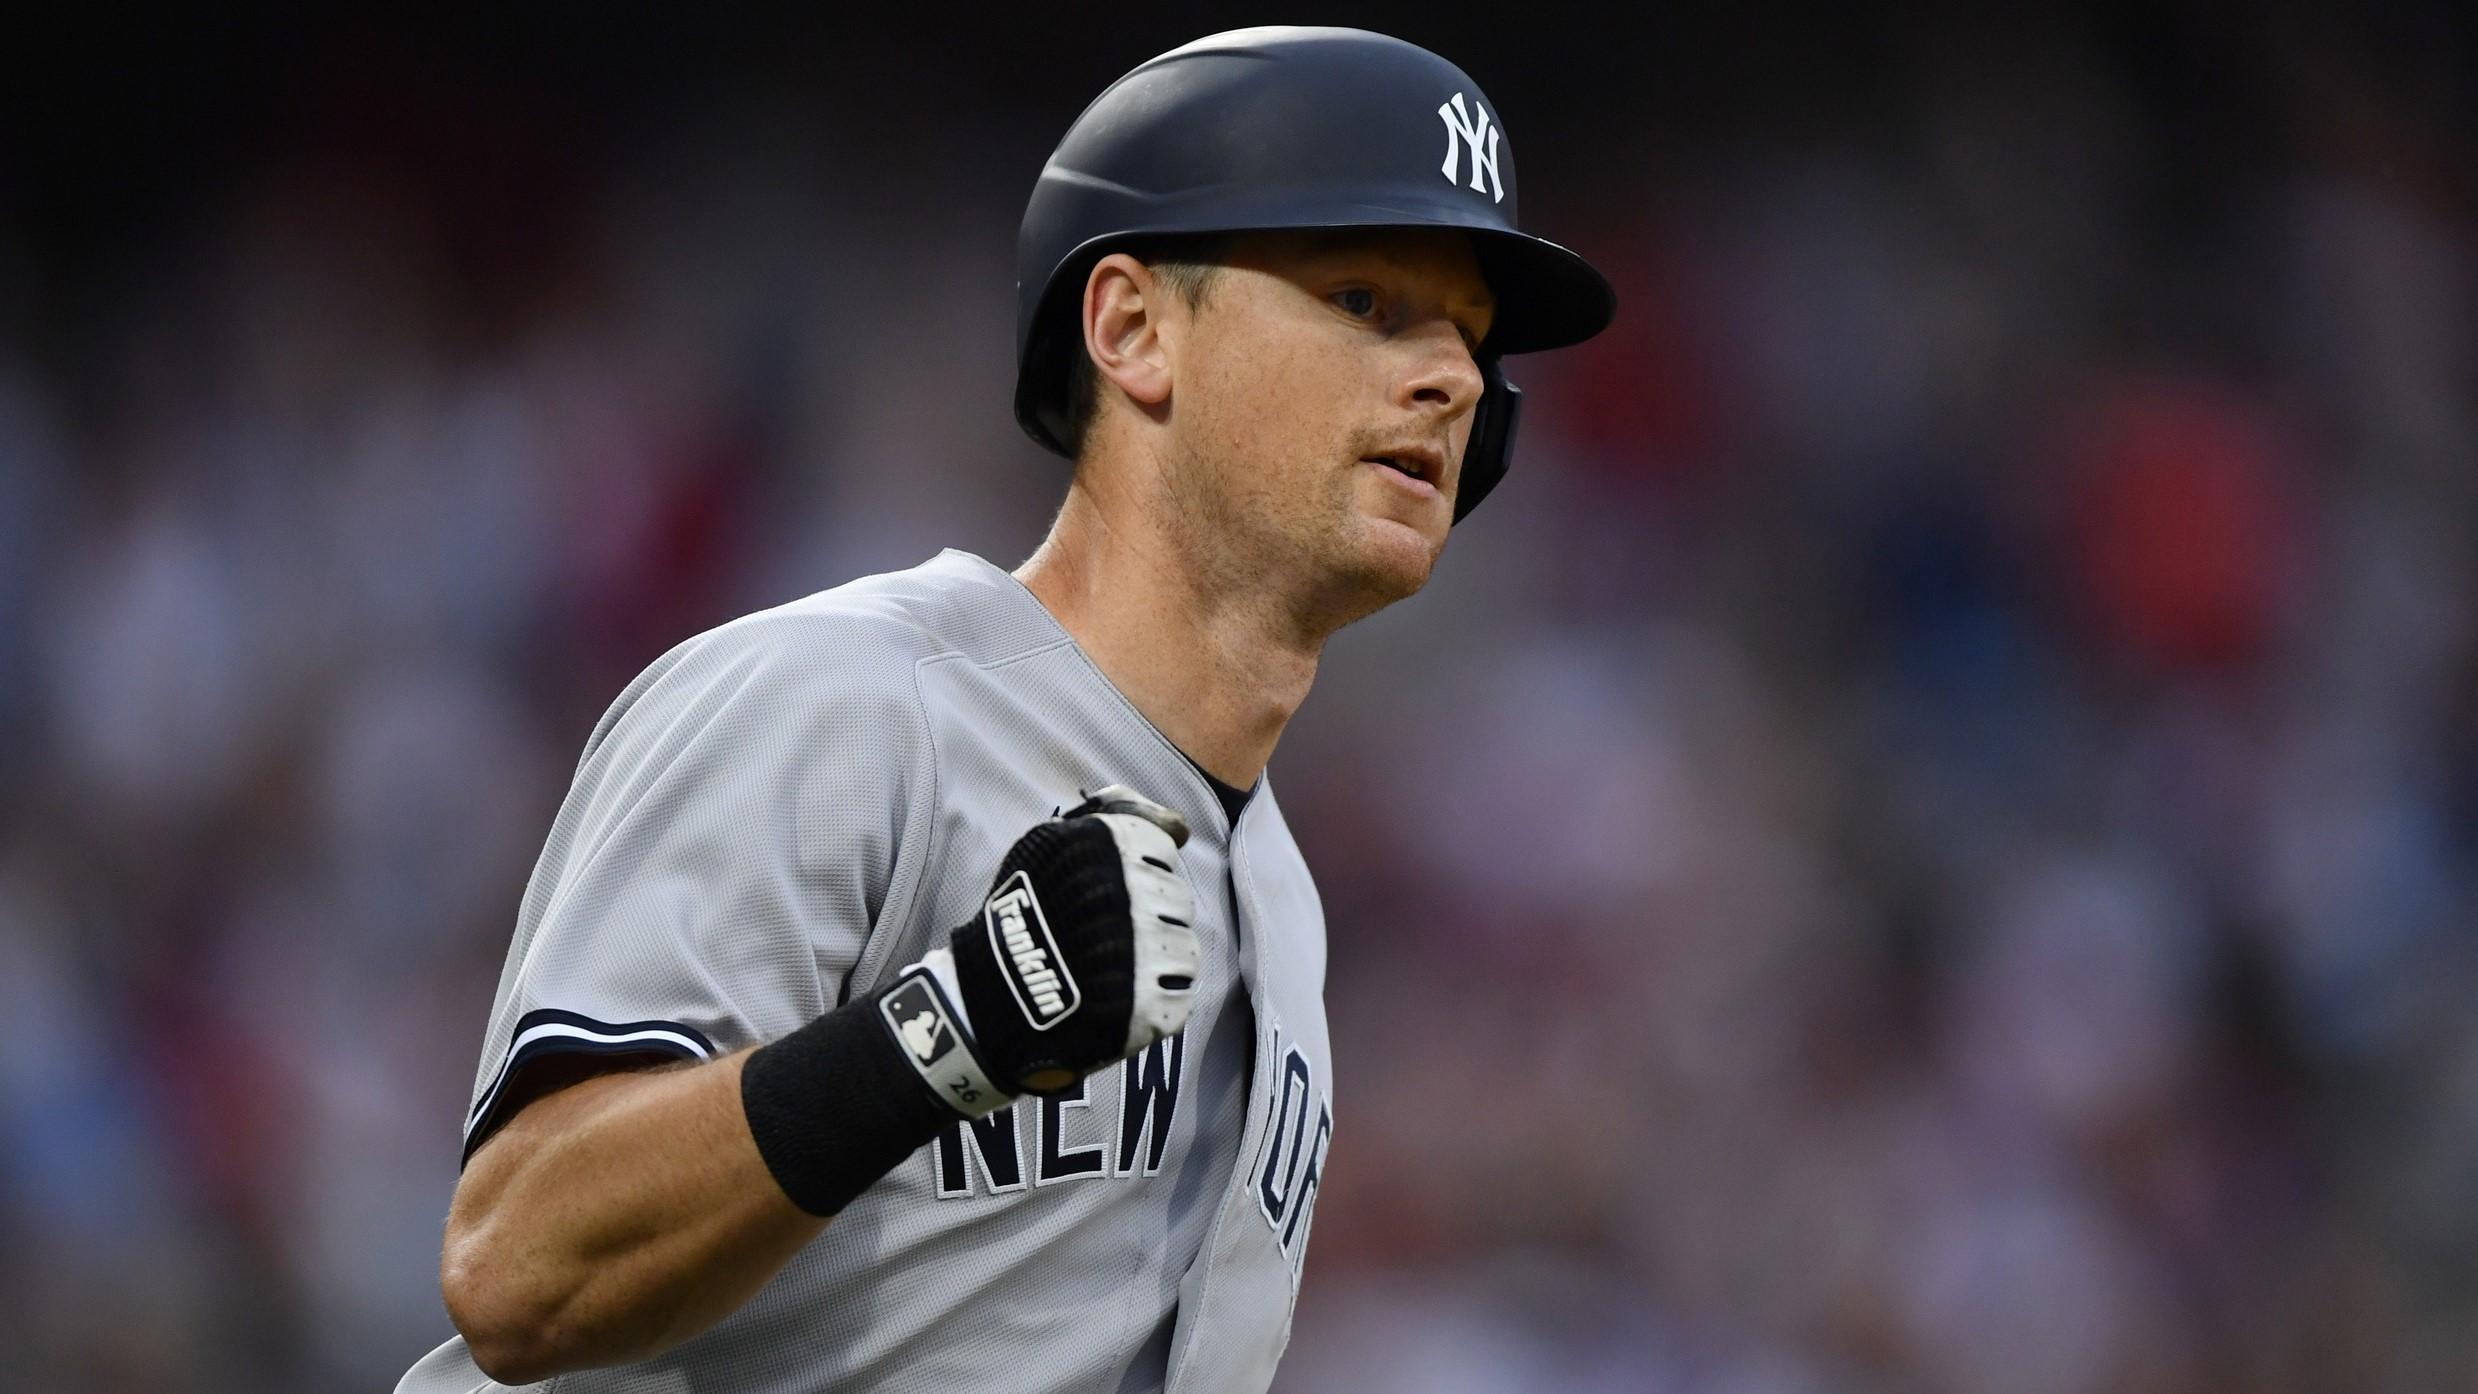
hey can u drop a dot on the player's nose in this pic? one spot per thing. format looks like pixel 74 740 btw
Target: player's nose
pixel 1443 381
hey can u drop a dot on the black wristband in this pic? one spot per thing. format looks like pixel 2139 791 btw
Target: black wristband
pixel 834 1106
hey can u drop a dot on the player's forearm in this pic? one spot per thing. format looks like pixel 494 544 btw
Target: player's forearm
pixel 613 1220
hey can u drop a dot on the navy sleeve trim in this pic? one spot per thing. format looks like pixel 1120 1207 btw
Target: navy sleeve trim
pixel 548 1031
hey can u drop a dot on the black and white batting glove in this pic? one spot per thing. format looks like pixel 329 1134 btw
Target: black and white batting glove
pixel 1083 954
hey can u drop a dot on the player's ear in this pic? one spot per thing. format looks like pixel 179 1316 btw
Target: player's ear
pixel 1123 328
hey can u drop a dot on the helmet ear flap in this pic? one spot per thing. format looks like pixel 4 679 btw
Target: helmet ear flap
pixel 1491 446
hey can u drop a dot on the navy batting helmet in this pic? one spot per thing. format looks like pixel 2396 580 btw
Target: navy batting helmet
pixel 1265 129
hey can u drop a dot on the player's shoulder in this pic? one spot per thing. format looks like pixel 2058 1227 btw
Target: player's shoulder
pixel 953 603
pixel 856 645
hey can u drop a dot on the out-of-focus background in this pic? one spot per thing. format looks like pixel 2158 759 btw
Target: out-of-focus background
pixel 1926 840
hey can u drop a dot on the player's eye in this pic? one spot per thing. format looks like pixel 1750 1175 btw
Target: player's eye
pixel 1359 302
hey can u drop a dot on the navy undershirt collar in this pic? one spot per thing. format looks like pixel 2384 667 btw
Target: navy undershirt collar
pixel 1233 799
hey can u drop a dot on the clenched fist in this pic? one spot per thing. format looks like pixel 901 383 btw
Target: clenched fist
pixel 1083 954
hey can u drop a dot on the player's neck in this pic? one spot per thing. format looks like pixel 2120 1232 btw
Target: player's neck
pixel 1220 673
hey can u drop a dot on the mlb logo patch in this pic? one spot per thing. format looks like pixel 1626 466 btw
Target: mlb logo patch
pixel 919 1020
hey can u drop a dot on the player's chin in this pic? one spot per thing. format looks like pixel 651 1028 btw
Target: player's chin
pixel 1393 555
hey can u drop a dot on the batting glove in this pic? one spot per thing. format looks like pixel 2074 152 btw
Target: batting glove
pixel 1083 954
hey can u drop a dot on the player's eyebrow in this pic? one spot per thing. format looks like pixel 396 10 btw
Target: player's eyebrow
pixel 1335 247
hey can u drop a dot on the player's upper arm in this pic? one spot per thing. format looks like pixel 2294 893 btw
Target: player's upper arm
pixel 741 820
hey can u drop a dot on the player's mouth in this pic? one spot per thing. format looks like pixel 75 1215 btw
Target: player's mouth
pixel 1416 468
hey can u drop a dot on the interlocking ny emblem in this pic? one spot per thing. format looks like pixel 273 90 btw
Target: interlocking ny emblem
pixel 1480 136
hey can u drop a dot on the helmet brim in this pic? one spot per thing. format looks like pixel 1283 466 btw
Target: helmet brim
pixel 1547 296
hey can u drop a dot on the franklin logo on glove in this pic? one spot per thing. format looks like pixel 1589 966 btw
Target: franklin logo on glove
pixel 1021 938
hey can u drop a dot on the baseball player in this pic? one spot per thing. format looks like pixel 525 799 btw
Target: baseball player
pixel 920 988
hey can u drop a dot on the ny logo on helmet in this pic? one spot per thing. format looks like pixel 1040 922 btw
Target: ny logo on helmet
pixel 1481 136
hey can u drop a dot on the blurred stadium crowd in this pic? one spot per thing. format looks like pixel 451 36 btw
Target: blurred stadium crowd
pixel 1927 840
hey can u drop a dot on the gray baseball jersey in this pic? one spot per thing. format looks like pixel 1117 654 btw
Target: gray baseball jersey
pixel 781 813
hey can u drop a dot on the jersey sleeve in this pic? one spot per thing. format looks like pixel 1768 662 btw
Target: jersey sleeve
pixel 740 821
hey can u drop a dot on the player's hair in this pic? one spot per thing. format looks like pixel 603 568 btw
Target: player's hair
pixel 1186 265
